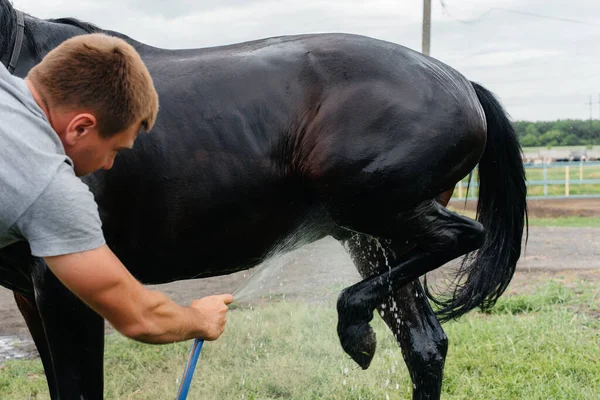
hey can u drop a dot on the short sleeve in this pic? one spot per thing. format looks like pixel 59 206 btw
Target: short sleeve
pixel 63 219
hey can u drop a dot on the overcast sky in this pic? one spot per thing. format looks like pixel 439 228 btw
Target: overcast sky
pixel 542 68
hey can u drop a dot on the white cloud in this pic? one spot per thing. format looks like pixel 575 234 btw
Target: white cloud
pixel 506 58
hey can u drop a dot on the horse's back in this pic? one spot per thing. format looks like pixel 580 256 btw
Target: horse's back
pixel 263 96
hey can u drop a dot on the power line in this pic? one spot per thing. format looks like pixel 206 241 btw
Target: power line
pixel 528 13
pixel 575 21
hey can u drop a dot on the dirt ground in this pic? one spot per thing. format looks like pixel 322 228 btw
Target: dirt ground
pixel 568 253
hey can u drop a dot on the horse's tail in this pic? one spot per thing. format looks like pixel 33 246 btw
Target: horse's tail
pixel 502 210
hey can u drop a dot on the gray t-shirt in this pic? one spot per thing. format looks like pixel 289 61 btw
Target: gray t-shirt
pixel 41 199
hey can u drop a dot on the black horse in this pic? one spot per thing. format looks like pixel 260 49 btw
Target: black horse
pixel 363 138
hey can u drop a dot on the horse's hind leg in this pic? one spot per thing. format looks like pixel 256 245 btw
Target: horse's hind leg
pixel 423 341
pixel 33 320
pixel 408 314
pixel 75 335
pixel 439 236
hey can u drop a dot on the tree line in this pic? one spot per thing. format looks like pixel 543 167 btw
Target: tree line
pixel 568 132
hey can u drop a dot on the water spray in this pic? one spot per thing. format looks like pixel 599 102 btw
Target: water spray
pixel 256 277
pixel 255 283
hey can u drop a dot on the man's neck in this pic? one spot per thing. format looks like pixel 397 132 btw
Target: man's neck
pixel 40 100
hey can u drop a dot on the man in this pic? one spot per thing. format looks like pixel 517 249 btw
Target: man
pixel 82 104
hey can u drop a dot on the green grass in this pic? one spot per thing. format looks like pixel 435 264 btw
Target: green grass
pixel 559 173
pixel 559 190
pixel 573 222
pixel 567 222
pixel 538 346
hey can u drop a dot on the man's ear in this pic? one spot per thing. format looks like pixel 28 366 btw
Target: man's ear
pixel 80 127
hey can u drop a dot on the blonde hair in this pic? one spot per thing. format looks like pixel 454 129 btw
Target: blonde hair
pixel 102 74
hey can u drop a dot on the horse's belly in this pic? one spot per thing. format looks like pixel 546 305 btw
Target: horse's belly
pixel 218 242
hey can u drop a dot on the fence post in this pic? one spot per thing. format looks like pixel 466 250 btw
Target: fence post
pixel 545 179
pixel 460 190
pixel 567 181
pixel 580 170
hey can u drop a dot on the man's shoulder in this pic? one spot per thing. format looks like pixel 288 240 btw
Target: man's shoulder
pixel 30 150
pixel 68 190
pixel 63 219
pixel 27 166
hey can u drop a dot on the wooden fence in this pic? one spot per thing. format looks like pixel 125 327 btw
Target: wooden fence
pixel 555 180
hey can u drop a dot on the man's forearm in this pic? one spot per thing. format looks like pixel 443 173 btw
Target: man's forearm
pixel 160 320
pixel 99 279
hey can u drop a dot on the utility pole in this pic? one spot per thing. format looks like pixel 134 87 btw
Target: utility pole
pixel 590 104
pixel 426 26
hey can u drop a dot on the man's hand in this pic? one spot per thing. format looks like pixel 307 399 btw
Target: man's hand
pixel 99 279
pixel 213 310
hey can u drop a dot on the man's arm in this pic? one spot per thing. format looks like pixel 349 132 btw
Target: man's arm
pixel 99 279
pixel 63 227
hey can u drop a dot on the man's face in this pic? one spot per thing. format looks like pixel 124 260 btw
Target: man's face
pixel 93 152
pixel 78 131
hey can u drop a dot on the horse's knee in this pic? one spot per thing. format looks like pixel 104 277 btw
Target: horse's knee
pixel 441 346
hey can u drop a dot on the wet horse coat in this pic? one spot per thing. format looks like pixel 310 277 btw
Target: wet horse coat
pixel 357 135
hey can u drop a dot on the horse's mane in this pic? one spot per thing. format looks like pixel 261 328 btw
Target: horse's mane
pixel 7 33
pixel 8 30
pixel 86 26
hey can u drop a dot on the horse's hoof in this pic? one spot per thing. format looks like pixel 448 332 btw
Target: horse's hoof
pixel 356 336
pixel 359 342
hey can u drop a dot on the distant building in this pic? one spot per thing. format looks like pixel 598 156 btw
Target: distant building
pixel 546 156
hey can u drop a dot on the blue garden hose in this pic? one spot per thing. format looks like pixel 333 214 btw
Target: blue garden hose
pixel 188 372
